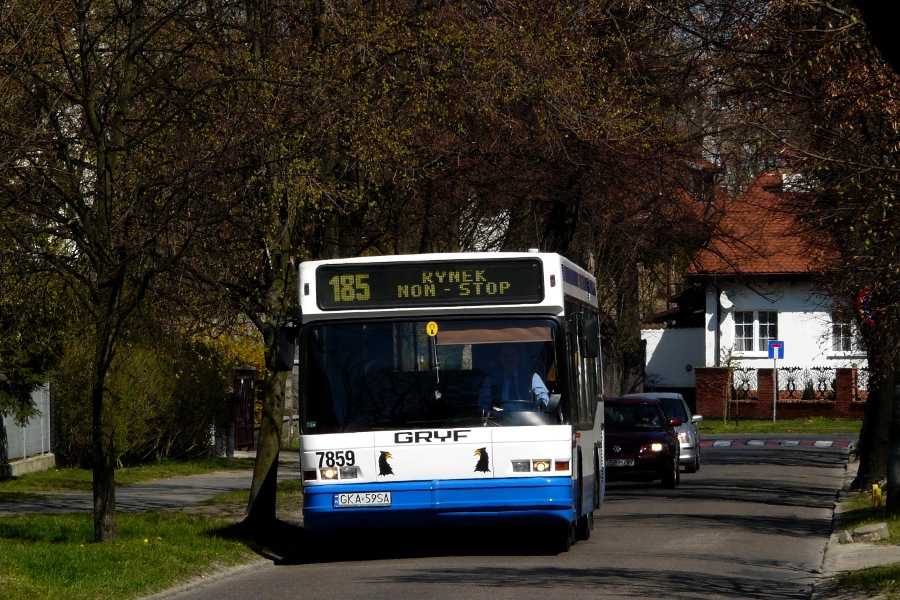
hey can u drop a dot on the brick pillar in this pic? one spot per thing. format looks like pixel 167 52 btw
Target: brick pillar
pixel 765 388
pixel 711 384
pixel 844 391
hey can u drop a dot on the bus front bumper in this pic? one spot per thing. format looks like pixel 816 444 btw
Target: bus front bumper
pixel 440 503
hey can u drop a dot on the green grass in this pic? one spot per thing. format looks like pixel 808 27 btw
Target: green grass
pixel 783 426
pixel 881 581
pixel 857 510
pixel 288 490
pixel 53 556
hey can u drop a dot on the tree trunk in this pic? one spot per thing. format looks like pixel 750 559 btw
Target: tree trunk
pixel 261 506
pixel 4 447
pixel 892 389
pixel 875 434
pixel 106 525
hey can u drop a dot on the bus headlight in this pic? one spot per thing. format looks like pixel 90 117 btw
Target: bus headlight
pixel 541 466
pixel 349 472
pixel 521 466
pixel 335 473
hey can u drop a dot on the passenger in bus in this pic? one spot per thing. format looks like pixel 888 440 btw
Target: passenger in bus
pixel 510 382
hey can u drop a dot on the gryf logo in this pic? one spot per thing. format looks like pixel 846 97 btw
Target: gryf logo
pixel 426 437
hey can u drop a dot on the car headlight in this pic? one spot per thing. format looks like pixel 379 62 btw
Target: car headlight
pixel 684 438
pixel 655 447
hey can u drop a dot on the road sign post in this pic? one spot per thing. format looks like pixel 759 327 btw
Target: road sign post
pixel 776 351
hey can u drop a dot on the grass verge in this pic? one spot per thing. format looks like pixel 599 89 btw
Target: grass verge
pixel 878 582
pixel 53 556
pixel 813 425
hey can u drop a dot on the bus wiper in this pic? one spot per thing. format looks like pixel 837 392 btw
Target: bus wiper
pixel 437 368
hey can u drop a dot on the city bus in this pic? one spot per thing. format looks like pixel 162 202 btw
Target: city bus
pixel 405 419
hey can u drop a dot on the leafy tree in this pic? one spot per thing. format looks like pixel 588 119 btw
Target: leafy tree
pixel 104 164
pixel 32 309
pixel 407 126
pixel 804 82
pixel 166 387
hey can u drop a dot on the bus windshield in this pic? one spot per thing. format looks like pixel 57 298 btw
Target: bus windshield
pixel 377 375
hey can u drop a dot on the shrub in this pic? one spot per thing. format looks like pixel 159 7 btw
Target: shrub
pixel 165 398
pixel 809 391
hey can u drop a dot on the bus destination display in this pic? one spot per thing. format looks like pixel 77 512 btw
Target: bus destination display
pixel 406 284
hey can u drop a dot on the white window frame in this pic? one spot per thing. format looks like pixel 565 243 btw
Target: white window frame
pixel 759 344
pixel 842 334
pixel 849 333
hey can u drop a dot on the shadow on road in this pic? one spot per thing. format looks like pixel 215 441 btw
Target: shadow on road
pixel 291 544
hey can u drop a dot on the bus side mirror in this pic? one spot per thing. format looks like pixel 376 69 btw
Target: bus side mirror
pixel 285 349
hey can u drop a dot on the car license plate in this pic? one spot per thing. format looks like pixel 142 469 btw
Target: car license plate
pixel 620 462
pixel 351 500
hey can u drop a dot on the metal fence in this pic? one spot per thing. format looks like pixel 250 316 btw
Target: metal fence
pixel 802 383
pixel 807 383
pixel 34 438
pixel 744 383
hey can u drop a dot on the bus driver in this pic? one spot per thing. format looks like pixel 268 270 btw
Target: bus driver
pixel 510 382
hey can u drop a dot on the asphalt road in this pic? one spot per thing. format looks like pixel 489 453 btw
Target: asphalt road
pixel 754 523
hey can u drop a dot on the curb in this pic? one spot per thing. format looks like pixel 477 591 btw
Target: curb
pixel 203 580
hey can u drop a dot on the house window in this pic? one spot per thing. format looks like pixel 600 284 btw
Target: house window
pixel 841 333
pixel 753 329
pixel 743 330
pixel 768 329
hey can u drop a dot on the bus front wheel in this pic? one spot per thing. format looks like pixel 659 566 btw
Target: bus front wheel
pixel 561 537
pixel 584 526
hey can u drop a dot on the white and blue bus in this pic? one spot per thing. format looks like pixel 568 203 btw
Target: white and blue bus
pixel 404 419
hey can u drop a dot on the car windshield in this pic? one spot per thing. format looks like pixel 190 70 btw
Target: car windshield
pixel 631 417
pixel 674 409
pixel 357 376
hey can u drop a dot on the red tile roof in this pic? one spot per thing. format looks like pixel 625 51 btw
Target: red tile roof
pixel 759 234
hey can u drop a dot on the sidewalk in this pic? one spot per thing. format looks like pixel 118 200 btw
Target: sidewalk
pixel 160 494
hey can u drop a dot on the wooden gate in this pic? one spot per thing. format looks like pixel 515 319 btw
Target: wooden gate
pixel 242 407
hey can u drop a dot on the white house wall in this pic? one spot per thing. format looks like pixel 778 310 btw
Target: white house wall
pixel 804 325
pixel 672 355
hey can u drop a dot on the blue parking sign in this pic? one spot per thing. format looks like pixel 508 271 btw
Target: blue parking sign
pixel 776 349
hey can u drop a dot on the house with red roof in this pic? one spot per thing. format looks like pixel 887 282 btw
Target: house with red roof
pixel 751 311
